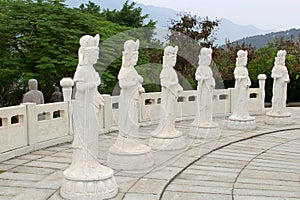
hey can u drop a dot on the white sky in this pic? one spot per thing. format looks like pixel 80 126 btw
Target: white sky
pixel 264 14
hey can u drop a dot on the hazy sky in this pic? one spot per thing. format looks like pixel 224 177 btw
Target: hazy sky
pixel 264 14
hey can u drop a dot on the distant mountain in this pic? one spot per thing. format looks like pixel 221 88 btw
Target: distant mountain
pixel 262 40
pixel 161 15
pixel 231 31
pixel 227 29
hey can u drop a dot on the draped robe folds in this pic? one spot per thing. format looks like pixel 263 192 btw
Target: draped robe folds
pixel 130 83
pixel 169 95
pixel 242 84
pixel 281 78
pixel 86 127
pixel 206 84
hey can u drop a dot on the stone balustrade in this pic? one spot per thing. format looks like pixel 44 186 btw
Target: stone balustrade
pixel 29 127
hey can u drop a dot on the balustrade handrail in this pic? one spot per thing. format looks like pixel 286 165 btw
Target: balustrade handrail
pixel 28 127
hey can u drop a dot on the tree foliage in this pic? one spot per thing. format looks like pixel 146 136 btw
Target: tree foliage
pixel 129 15
pixel 190 33
pixel 39 39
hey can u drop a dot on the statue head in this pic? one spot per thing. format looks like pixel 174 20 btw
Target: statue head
pixel 241 59
pixel 205 56
pixel 170 55
pixel 89 50
pixel 56 89
pixel 32 84
pixel 130 53
pixel 280 59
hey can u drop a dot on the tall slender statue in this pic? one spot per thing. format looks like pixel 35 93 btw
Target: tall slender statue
pixel 128 153
pixel 280 75
pixel 240 118
pixel 86 178
pixel 166 137
pixel 202 126
pixel 131 86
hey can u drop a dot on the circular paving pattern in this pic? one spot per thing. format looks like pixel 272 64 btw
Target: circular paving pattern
pixel 266 167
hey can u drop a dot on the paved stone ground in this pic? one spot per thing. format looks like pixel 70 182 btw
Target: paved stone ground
pixel 255 165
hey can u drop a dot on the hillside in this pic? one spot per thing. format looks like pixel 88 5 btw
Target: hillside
pixel 227 29
pixel 232 32
pixel 262 40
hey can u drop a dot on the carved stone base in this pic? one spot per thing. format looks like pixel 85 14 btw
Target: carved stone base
pixel 167 142
pixel 279 119
pixel 129 155
pixel 204 131
pixel 102 186
pixel 241 124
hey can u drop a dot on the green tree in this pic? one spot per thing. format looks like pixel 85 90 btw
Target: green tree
pixel 39 39
pixel 90 8
pixel 190 33
pixel 139 27
pixel 129 15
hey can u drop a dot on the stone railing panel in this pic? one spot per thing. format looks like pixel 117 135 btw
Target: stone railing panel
pixel 13 128
pixel 51 121
pixel 221 102
pixel 255 100
pixel 150 106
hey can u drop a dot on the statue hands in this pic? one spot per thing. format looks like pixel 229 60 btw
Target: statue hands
pixel 180 89
pixel 98 79
pixel 141 89
pixel 98 100
pixel 140 79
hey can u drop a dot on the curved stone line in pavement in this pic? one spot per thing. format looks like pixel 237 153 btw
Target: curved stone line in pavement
pixel 192 191
pixel 274 182
pixel 262 169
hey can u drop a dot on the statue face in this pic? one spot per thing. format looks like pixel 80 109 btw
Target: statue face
pixel 243 62
pixel 204 60
pixel 173 60
pixel 93 57
pixel 134 58
pixel 169 60
pixel 279 61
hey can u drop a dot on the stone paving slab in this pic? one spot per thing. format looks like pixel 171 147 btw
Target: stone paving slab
pixel 33 193
pixel 148 186
pixel 4 167
pixel 195 196
pixel 135 196
pixel 49 165
pixel 21 176
pixel 31 170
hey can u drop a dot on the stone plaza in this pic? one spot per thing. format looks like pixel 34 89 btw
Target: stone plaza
pixel 258 164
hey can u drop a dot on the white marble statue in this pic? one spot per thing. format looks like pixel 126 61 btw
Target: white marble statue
pixel 206 85
pixel 240 118
pixel 280 75
pixel 203 124
pixel 165 136
pixel 127 150
pixel 131 86
pixel 95 180
pixel 281 78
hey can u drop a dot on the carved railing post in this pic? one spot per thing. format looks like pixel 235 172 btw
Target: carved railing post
pixel 67 84
pixel 262 81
